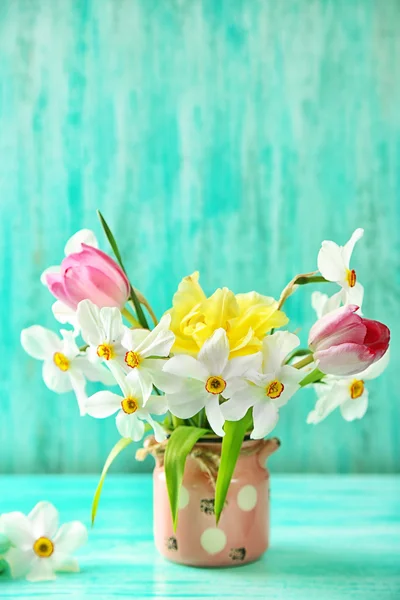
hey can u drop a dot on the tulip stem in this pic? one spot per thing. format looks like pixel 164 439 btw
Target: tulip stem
pixel 304 362
pixel 129 317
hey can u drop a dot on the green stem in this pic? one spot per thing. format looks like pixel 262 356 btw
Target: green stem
pixel 130 318
pixel 177 422
pixel 304 362
pixel 314 279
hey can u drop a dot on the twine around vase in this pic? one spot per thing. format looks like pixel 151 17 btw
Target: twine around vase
pixel 207 460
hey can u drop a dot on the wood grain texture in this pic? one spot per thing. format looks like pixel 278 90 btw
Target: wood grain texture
pixel 225 136
pixel 333 537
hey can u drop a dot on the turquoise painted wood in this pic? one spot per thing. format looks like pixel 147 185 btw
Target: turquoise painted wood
pixel 333 537
pixel 229 136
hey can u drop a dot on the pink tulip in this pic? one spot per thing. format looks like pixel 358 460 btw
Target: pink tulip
pixel 344 343
pixel 89 274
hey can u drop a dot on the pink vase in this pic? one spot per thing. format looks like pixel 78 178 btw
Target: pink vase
pixel 242 534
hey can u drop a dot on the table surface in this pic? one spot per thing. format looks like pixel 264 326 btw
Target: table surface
pixel 333 537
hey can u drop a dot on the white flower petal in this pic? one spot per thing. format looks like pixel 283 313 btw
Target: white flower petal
pixel 159 341
pixel 236 408
pixel 355 408
pixel 111 319
pixel 348 248
pixel 214 415
pixel 330 262
pixel 41 569
pixel 234 385
pixel 19 561
pixel 69 346
pixel 188 401
pixel 103 404
pixel 265 417
pixel 215 352
pixel 155 405
pixel 56 380
pixel 88 315
pixel 335 395
pixel 65 314
pixel 355 295
pixel 70 537
pixel 140 383
pixel 94 372
pixel 240 365
pixel 39 342
pixel 186 366
pixel 276 347
pixel 161 379
pixel 130 426
pixel 78 383
pixel 44 519
pixel 159 432
pixel 133 338
pixel 18 528
pixel 323 304
pixel 83 236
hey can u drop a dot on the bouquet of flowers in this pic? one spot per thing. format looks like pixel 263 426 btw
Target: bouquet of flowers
pixel 218 366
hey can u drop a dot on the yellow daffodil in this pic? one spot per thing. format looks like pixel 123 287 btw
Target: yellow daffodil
pixel 246 318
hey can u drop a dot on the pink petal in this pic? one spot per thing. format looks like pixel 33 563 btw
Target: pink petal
pixel 344 359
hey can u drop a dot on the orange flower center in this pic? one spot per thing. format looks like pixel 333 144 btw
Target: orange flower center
pixel 356 388
pixel 43 547
pixel 132 359
pixel 274 389
pixel 129 405
pixel 105 351
pixel 215 385
pixel 61 361
pixel 351 277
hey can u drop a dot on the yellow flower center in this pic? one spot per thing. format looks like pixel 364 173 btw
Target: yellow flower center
pixel 105 351
pixel 61 361
pixel 129 405
pixel 215 385
pixel 132 359
pixel 356 388
pixel 43 547
pixel 351 277
pixel 274 389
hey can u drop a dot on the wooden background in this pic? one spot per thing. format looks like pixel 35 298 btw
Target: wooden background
pixel 226 136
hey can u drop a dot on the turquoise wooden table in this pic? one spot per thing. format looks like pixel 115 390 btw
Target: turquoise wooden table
pixel 333 537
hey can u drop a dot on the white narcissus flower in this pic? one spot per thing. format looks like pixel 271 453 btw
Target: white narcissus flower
pixel 136 351
pixel 65 367
pixel 62 312
pixel 348 393
pixel 334 265
pixel 145 356
pixel 102 329
pixel 207 378
pixel 39 547
pixel 132 412
pixel 268 389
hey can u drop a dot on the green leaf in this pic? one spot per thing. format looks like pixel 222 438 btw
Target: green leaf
pixel 312 279
pixel 119 446
pixel 179 446
pixel 314 377
pixel 231 445
pixel 139 311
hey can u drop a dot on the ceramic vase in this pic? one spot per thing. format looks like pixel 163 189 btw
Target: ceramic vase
pixel 242 534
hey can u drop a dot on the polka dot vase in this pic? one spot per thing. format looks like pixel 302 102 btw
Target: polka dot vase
pixel 242 534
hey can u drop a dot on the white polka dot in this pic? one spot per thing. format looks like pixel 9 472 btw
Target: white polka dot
pixel 183 498
pixel 213 540
pixel 247 497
